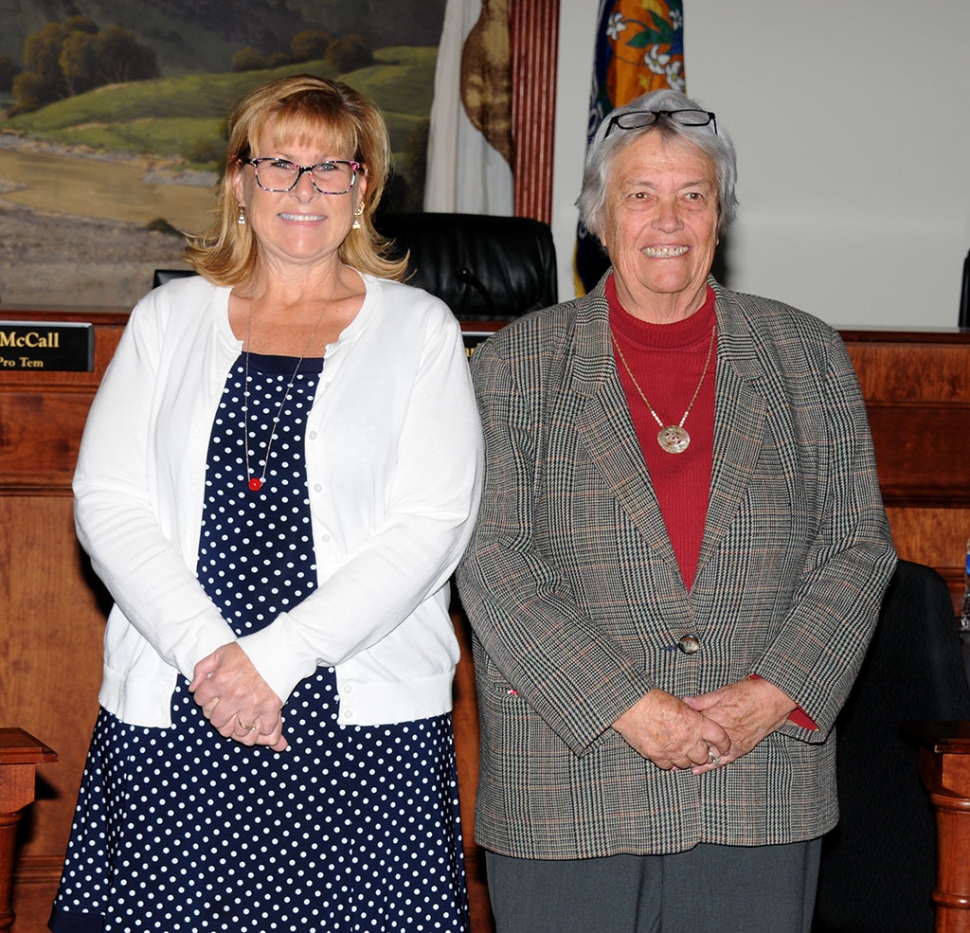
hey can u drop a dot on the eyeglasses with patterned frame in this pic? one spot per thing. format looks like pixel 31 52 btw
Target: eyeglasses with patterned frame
pixel 639 119
pixel 281 175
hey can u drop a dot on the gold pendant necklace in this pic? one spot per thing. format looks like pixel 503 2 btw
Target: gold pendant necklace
pixel 255 483
pixel 672 437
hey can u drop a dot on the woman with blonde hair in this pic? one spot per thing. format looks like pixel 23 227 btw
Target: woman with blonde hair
pixel 277 478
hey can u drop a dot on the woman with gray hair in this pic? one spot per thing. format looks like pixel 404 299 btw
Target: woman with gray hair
pixel 680 556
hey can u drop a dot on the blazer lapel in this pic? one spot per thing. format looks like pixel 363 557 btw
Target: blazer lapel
pixel 606 428
pixel 740 413
pixel 604 423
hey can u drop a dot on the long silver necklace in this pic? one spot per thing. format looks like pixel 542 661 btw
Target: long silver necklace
pixel 672 437
pixel 255 483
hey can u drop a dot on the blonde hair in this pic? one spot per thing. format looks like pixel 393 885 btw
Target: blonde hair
pixel 304 109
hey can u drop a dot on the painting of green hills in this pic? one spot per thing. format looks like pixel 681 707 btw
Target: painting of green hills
pixel 96 186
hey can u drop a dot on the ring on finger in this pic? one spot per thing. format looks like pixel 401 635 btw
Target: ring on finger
pixel 714 759
pixel 244 727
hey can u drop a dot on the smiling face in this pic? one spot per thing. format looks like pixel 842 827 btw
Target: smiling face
pixel 299 227
pixel 661 226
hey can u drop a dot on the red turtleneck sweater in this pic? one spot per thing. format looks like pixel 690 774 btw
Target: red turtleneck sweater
pixel 667 361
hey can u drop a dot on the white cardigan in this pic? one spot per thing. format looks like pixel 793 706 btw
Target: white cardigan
pixel 394 463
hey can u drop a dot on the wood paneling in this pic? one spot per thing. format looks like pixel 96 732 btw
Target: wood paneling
pixel 42 413
pixel 922 454
pixel 917 391
pixel 52 610
pixel 39 437
pixel 933 536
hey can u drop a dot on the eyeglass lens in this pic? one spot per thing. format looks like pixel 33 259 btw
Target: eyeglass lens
pixel 328 177
pixel 640 118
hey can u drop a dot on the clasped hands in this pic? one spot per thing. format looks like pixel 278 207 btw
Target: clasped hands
pixel 236 700
pixel 692 732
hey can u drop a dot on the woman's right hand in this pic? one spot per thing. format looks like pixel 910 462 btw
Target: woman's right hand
pixel 666 730
pixel 236 700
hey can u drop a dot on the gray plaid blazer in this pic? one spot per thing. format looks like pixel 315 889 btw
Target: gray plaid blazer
pixel 576 601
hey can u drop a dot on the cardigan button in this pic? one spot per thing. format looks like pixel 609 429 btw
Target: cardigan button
pixel 689 644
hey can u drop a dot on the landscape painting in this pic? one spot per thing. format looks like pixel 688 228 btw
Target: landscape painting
pixel 112 123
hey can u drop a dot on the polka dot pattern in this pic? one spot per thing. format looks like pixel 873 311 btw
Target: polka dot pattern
pixel 353 829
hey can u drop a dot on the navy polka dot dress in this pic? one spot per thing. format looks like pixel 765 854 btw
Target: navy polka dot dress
pixel 353 829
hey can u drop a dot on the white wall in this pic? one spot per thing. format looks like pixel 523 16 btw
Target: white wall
pixel 851 119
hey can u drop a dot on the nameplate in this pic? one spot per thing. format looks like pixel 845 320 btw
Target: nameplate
pixel 46 346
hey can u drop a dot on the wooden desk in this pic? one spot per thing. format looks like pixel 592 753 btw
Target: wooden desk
pixel 944 767
pixel 917 389
pixel 19 755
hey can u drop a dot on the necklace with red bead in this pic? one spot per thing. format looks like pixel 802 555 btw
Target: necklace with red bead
pixel 255 483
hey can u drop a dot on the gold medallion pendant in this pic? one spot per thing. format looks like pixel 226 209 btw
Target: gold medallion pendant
pixel 674 439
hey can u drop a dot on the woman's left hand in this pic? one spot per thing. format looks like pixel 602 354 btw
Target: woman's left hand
pixel 236 699
pixel 748 710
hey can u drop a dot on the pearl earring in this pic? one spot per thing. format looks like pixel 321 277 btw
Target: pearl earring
pixel 357 213
pixel 241 219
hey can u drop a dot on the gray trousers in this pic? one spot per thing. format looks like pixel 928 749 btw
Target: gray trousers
pixel 708 889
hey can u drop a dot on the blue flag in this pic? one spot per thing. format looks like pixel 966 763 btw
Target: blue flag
pixel 639 48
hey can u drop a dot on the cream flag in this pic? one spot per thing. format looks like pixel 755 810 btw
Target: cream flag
pixel 470 141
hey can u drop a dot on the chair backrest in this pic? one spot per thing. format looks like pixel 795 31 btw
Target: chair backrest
pixel 879 865
pixel 963 319
pixel 484 268
pixel 166 275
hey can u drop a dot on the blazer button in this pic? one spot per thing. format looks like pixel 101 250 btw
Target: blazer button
pixel 688 644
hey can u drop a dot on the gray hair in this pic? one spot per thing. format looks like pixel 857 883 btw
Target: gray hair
pixel 714 143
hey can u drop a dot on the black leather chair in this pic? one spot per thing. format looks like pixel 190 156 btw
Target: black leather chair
pixel 879 865
pixel 963 320
pixel 484 268
pixel 166 275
